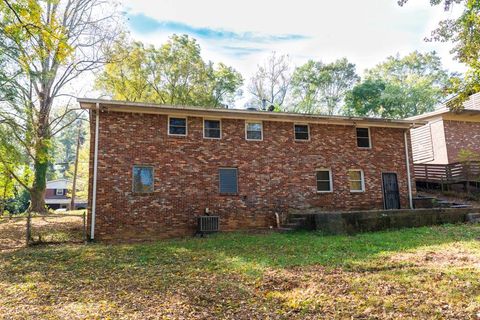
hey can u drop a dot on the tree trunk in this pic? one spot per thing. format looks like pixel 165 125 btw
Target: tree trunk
pixel 37 192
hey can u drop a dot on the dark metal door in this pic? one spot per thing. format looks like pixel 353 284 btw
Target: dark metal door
pixel 391 194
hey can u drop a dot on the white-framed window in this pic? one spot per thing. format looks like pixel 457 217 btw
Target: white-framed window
pixel 356 180
pixel 177 126
pixel 59 192
pixel 301 131
pixel 143 179
pixel 212 129
pixel 228 180
pixel 363 138
pixel 324 180
pixel 253 130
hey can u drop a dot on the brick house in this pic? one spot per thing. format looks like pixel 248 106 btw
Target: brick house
pixel 57 195
pixel 154 169
pixel 446 133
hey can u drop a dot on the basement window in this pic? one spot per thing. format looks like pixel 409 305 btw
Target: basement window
pixel 301 132
pixel 228 180
pixel 177 126
pixel 363 138
pixel 253 131
pixel 356 180
pixel 143 179
pixel 212 129
pixel 324 180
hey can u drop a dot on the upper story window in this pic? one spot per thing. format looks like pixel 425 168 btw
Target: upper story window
pixel 228 180
pixel 177 126
pixel 59 192
pixel 302 132
pixel 324 180
pixel 212 129
pixel 356 180
pixel 363 138
pixel 142 179
pixel 254 131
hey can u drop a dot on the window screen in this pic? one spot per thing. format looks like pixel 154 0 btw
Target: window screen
pixel 254 131
pixel 301 132
pixel 142 179
pixel 324 181
pixel 228 180
pixel 363 137
pixel 177 126
pixel 211 129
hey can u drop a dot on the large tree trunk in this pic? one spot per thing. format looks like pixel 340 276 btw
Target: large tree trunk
pixel 37 192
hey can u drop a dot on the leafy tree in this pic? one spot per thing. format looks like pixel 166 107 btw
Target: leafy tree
pixel 321 88
pixel 173 74
pixel 271 82
pixel 44 46
pixel 400 87
pixel 464 33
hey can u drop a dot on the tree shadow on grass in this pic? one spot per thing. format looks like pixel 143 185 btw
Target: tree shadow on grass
pixel 195 273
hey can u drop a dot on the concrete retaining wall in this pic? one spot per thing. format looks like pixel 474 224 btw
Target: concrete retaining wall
pixel 364 221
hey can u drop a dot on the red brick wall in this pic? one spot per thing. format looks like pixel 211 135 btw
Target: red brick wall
pixel 51 194
pixel 461 135
pixel 273 175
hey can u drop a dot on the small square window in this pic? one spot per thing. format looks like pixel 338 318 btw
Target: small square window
pixel 59 192
pixel 254 131
pixel 363 137
pixel 356 180
pixel 142 179
pixel 177 126
pixel 324 180
pixel 228 180
pixel 212 129
pixel 302 132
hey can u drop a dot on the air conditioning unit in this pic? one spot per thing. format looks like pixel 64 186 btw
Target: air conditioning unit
pixel 208 224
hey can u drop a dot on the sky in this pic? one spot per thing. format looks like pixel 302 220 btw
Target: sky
pixel 244 33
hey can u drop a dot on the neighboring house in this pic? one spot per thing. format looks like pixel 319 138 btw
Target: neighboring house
pixel 447 133
pixel 154 169
pixel 56 195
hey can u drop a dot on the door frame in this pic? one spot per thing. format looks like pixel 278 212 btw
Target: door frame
pixel 383 190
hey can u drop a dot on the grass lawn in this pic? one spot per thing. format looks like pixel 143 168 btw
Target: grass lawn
pixel 430 272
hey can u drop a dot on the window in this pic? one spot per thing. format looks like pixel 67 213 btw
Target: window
pixel 177 126
pixel 142 179
pixel 301 132
pixel 211 129
pixel 59 192
pixel 228 180
pixel 356 180
pixel 324 180
pixel 254 131
pixel 363 137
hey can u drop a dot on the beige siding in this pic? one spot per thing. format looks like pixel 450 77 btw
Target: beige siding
pixel 422 146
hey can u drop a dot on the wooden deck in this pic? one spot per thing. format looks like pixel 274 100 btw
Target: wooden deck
pixel 459 172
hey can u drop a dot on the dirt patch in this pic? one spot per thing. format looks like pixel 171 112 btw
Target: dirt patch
pixel 445 258
pixel 48 229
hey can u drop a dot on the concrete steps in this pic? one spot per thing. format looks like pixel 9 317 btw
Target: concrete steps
pixel 293 223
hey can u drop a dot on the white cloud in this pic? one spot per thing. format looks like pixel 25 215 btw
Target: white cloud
pixel 365 32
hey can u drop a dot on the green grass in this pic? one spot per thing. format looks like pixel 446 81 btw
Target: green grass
pixel 430 272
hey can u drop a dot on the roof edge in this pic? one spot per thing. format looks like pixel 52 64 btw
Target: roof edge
pixel 142 107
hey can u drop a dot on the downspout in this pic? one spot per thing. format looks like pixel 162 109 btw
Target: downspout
pixel 95 165
pixel 409 182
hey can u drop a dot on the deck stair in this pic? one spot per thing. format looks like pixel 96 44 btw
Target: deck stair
pixel 438 202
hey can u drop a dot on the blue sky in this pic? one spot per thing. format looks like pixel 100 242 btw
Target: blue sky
pixel 243 33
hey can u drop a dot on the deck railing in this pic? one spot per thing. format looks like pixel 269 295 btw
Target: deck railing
pixel 457 172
